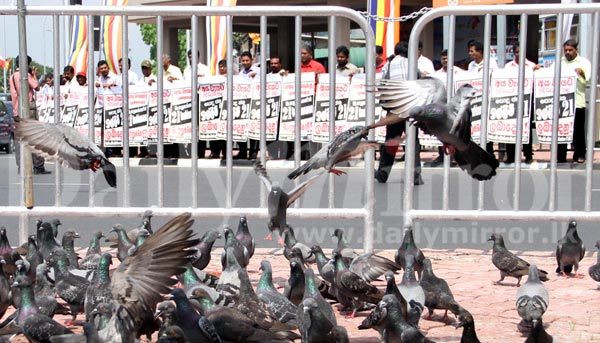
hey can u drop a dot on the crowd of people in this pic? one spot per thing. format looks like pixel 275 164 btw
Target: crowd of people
pixel 394 67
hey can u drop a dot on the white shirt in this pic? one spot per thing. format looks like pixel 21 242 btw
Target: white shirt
pixel 425 65
pixel 478 67
pixel 143 81
pixel 203 70
pixel 132 78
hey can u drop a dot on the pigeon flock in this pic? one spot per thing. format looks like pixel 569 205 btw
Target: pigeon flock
pixel 161 288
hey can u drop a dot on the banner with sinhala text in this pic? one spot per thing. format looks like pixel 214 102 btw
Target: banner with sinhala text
pixel 287 127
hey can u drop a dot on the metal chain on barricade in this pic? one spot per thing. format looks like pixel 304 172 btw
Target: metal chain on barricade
pixel 401 19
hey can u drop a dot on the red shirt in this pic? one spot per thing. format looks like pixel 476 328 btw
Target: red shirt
pixel 313 65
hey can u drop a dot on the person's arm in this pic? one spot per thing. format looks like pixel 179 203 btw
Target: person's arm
pixel 33 80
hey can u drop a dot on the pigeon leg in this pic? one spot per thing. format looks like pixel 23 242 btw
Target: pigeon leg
pixel 564 274
pixel 269 237
pixel 518 281
pixel 578 276
pixel 280 241
pixel 445 316
pixel 352 314
pixel 337 172
pixel 501 279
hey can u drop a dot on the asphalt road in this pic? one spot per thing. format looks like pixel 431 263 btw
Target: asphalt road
pixel 349 193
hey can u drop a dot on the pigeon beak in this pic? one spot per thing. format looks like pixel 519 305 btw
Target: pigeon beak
pixel 157 314
pixel 77 235
pixel 14 284
pixel 458 325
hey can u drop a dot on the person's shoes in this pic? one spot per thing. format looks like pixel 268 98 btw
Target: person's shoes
pixel 580 160
pixel 241 156
pixel 437 161
pixel 509 160
pixel 561 160
pixel 418 180
pixel 401 159
pixel 40 171
pixel 528 160
pixel 380 177
pixel 213 156
pixel 253 156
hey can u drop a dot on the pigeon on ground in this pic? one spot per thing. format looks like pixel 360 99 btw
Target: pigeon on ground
pixel 412 291
pixel 190 280
pixel 397 97
pixel 569 251
pixel 311 290
pixel 295 284
pixel 146 224
pixel 539 335
pixel 142 235
pixel 278 200
pixel 168 315
pixel 99 290
pixel 594 270
pixel 46 241
pixel 5 298
pixel 244 236
pixel 123 242
pixel 93 254
pixel 140 281
pixel 66 145
pixel 34 257
pixel 102 314
pixel 283 309
pixel 204 248
pixel 437 292
pixel 408 247
pixel 316 328
pixel 68 245
pixel 392 288
pixel 508 263
pixel 240 252
pixel 229 282
pixel 172 334
pixel 395 329
pixel 451 124
pixel 343 247
pixel 196 327
pixel 324 265
pixel 5 253
pixel 532 298
pixel 343 147
pixel 371 266
pixel 90 335
pixel 466 321
pixel 290 242
pixel 44 295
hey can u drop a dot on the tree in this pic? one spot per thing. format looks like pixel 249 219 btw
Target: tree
pixel 149 37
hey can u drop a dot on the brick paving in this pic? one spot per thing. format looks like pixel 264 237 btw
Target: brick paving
pixel 572 315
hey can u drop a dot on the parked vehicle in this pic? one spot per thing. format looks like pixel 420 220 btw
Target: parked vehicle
pixel 7 126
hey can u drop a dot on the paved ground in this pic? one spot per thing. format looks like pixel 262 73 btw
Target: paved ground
pixel 572 316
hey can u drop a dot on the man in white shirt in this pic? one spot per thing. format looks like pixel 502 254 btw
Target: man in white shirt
pixel 132 77
pixel 476 54
pixel 172 72
pixel 147 79
pixel 107 82
pixel 424 64
pixel 203 70
pixel 248 69
pixel 344 67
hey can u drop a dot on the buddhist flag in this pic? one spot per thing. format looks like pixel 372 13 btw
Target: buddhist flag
pixel 2 62
pixel 216 31
pixel 387 33
pixel 79 45
pixel 255 37
pixel 112 36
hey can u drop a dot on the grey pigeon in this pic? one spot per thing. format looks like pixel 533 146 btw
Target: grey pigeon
pixel 244 236
pixel 532 298
pixel 90 335
pixel 569 251
pixel 94 253
pixel 508 263
pixel 278 200
pixel 341 148
pixel 316 328
pixel 539 335
pixel 102 314
pixel 204 248
pixel 412 291
pixel 229 281
pixel 55 223
pixel 5 253
pixel 5 298
pixel 99 290
pixel 311 290
pixel 451 124
pixel 392 288
pixel 594 270
pixel 295 284
pixel 279 305
pixel 397 97
pixel 371 266
pixel 343 247
pixel 168 315
pixel 240 252
pixel 190 280
pixel 45 237
pixel 68 245
pixel 395 329
pixel 45 299
pixel 66 145
pixel 34 257
pixel 437 292
pixel 142 236
pixel 466 321
pixel 324 265
pixel 140 281
pixel 290 242
pixel 189 320
pixel 408 247
pixel 172 334
pixel 123 242
pixel 146 224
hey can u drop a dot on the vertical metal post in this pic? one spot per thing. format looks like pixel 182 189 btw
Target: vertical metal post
pixel 125 114
pixel 26 161
pixel 229 159
pixel 263 104
pixel 449 91
pixel 520 112
pixel 591 117
pixel 332 108
pixel 555 113
pixel 410 147
pixel 369 220
pixel 487 36
pixel 298 97
pixel 195 111
pixel 55 45
pixel 91 77
pixel 160 147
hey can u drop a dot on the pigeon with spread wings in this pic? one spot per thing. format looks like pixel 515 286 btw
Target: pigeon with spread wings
pixel 279 200
pixel 66 145
pixel 451 124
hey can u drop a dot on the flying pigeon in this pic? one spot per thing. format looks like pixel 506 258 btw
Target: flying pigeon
pixel 569 251
pixel 451 124
pixel 343 147
pixel 532 298
pixel 594 270
pixel 508 263
pixel 278 200
pixel 65 144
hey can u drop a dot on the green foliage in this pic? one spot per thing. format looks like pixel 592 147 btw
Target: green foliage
pixel 149 37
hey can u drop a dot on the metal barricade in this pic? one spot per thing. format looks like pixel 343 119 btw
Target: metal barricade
pixel 194 12
pixel 552 213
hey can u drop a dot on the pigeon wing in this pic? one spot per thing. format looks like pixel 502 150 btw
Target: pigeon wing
pixel 261 172
pixel 295 193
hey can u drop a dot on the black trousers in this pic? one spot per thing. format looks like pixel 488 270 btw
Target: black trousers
pixel 579 148
pixel 390 148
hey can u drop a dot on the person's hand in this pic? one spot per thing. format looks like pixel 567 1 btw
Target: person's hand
pixel 170 78
pixel 34 71
pixel 151 81
pixel 97 83
pixel 580 72
pixel 252 74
